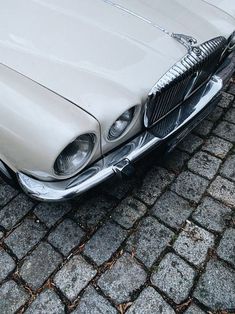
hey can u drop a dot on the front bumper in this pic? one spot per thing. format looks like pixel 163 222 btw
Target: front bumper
pixel 171 129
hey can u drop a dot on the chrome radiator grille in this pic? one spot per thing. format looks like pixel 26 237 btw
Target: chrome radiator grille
pixel 183 79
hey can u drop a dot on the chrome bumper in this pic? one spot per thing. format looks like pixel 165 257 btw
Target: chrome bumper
pixel 177 125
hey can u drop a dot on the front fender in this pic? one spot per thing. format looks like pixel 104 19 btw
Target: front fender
pixel 37 124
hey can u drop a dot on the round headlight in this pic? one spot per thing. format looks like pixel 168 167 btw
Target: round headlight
pixel 121 124
pixel 75 155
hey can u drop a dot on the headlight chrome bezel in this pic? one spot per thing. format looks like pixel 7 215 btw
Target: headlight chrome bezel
pixel 72 149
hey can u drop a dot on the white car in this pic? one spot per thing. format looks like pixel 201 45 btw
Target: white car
pixel 88 87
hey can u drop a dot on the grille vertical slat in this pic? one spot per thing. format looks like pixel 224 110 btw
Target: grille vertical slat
pixel 183 79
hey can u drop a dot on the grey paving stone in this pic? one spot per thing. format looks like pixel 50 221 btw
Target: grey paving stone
pixel 174 277
pixel 223 190
pixel 156 180
pixel 93 210
pixel 204 164
pixel 11 214
pixel 74 276
pixel 216 287
pixel 6 193
pixel 7 264
pixel 150 239
pixel 226 130
pixel 105 242
pixel 212 214
pixel 228 169
pixel 193 309
pixel 150 302
pixel 119 189
pixel 216 114
pixel 91 301
pixel 231 90
pixel 123 279
pixel 12 297
pixel 24 237
pixel 128 212
pixel 1 234
pixel 176 160
pixel 172 209
pixel 191 143
pixel 50 213
pixel 190 186
pixel 204 128
pixel 39 265
pixel 47 302
pixel 226 249
pixel 193 244
pixel 230 115
pixel 217 146
pixel 226 100
pixel 66 236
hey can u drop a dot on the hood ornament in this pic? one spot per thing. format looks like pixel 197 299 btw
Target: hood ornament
pixel 188 42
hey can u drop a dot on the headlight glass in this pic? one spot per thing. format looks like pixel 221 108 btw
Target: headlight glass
pixel 121 124
pixel 75 155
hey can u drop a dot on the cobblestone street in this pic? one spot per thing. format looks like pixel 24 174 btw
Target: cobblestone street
pixel 162 241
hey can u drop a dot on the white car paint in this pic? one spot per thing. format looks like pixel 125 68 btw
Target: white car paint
pixel 71 67
pixel 227 6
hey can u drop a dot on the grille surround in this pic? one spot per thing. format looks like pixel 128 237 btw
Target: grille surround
pixel 183 79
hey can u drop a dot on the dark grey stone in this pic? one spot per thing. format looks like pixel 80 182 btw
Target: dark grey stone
pixel 217 146
pixel 12 297
pixel 176 160
pixel 91 212
pixel 212 214
pixel 74 276
pixel 193 244
pixel 223 190
pixel 204 164
pixel 216 114
pixel 226 99
pixel 204 128
pixel 191 143
pixel 226 130
pixel 50 213
pixel 7 264
pixel 226 249
pixel 125 277
pixel 66 236
pixel 128 212
pixel 105 242
pixel 216 287
pixel 150 239
pixel 172 209
pixel 150 302
pixel 190 186
pixel 11 214
pixel 156 180
pixel 25 237
pixel 228 169
pixel 39 265
pixel 193 309
pixel 174 277
pixel 230 115
pixel 93 302
pixel 119 189
pixel 47 302
pixel 6 193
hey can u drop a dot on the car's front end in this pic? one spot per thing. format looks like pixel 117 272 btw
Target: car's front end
pixel 69 124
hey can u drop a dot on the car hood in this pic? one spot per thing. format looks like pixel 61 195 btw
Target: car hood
pixel 102 56
pixel 227 6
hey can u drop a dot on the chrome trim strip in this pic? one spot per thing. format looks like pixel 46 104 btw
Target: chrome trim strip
pixel 118 161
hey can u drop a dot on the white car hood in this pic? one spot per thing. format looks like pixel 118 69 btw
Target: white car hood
pixel 101 57
pixel 227 6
